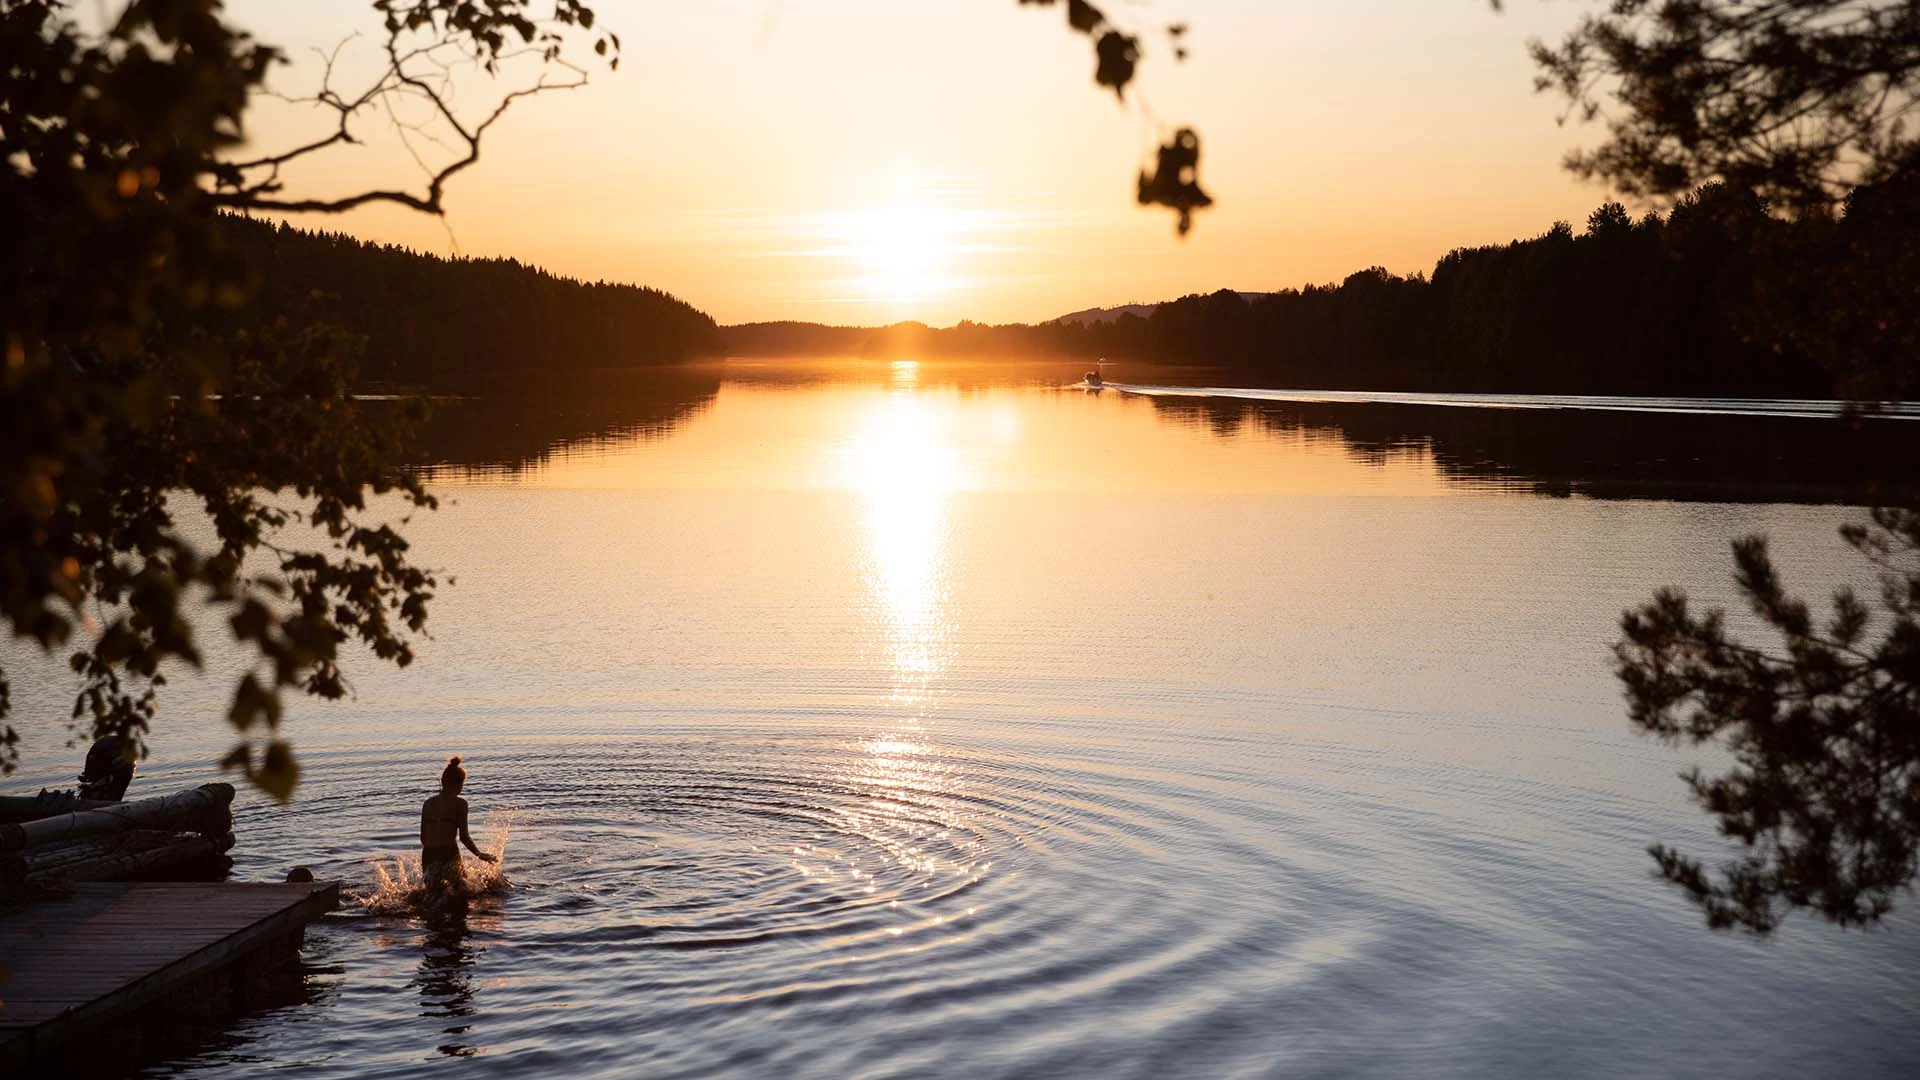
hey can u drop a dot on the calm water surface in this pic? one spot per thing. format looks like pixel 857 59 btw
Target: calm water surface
pixel 893 722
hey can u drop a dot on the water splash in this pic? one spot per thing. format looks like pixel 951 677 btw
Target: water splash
pixel 400 886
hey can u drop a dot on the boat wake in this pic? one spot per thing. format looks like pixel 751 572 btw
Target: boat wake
pixel 1807 408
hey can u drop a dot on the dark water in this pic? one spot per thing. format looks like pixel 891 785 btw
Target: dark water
pixel 904 721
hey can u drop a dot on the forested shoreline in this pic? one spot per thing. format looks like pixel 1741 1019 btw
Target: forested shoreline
pixel 450 323
pixel 1666 304
pixel 1671 303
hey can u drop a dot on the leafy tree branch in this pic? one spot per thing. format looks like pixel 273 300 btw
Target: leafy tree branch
pixel 1174 179
pixel 1824 793
pixel 1798 100
pixel 138 383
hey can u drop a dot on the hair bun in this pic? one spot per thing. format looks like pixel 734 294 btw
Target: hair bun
pixel 454 760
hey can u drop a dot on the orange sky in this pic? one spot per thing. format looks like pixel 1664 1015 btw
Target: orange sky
pixel 862 161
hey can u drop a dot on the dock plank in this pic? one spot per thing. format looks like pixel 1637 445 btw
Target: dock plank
pixel 74 963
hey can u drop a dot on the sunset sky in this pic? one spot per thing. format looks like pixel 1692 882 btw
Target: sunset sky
pixel 864 161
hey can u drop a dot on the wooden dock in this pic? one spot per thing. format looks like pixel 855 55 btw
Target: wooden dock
pixel 112 969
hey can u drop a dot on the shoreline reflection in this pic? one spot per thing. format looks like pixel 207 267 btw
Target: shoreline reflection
pixel 946 427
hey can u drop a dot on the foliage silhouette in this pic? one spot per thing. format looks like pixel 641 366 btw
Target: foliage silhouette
pixel 137 383
pixel 1803 108
pixel 1174 180
pixel 1825 790
pixel 1798 101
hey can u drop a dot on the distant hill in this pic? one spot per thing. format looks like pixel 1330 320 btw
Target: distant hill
pixel 789 338
pixel 1089 316
pixel 967 339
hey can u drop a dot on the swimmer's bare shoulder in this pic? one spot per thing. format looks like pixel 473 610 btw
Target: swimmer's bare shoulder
pixel 441 819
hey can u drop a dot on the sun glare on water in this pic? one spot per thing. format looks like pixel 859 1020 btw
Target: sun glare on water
pixel 900 459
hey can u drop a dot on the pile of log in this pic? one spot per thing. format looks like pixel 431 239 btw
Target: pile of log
pixel 77 840
pixel 45 804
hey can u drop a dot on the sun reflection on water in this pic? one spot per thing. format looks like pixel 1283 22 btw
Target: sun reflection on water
pixel 901 460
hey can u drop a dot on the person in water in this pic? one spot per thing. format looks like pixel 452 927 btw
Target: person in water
pixel 442 818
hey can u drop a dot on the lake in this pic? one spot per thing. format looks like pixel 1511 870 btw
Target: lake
pixel 887 719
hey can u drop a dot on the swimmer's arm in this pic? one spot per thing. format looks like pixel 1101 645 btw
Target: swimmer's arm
pixel 467 838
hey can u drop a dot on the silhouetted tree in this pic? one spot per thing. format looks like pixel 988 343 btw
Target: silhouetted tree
pixel 1807 106
pixel 1825 734
pixel 129 392
pixel 1610 219
pixel 446 323
pixel 1800 101
pixel 1849 297
pixel 1801 107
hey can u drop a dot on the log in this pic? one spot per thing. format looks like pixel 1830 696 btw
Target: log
pixel 51 856
pixel 45 804
pixel 129 853
pixel 204 810
pixel 180 849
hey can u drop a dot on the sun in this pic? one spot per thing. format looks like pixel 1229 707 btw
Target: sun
pixel 901 252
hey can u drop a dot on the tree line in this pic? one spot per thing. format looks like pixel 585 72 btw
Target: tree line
pixel 458 323
pixel 1668 304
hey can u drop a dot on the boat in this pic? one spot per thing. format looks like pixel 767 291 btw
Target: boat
pixel 1093 379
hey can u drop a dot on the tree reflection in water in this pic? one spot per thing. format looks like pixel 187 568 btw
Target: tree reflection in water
pixel 509 424
pixel 505 424
pixel 1682 456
